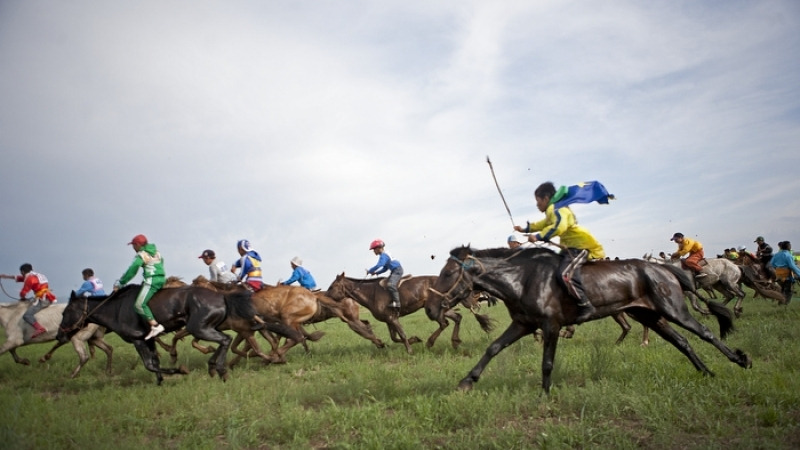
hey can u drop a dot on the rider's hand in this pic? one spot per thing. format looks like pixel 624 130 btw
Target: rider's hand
pixel 518 228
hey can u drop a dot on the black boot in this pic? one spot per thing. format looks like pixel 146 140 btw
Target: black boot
pixel 585 311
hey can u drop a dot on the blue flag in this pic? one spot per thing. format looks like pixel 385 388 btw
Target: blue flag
pixel 586 192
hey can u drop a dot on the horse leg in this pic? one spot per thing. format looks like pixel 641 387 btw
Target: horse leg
pixel 513 333
pixel 689 323
pixel 216 364
pixel 99 342
pixel 251 340
pixel 46 357
pixel 393 323
pixel 17 359
pixel 147 351
pixel 443 323
pixel 364 330
pixel 455 340
pixel 623 323
pixel 550 336
pixel 738 292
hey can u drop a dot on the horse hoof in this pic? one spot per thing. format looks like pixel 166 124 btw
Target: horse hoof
pixel 183 370
pixel 465 386
pixel 25 362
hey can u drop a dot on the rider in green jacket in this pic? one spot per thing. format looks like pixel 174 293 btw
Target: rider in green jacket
pixel 149 259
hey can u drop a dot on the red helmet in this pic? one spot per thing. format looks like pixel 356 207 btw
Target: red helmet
pixel 375 244
pixel 139 239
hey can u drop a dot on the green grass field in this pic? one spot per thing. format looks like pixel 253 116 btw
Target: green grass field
pixel 345 393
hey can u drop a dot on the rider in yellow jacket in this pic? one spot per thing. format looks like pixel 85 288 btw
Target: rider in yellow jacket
pixel 578 244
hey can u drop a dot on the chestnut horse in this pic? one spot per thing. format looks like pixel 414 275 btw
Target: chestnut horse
pixel 414 292
pixel 527 281
pixel 295 306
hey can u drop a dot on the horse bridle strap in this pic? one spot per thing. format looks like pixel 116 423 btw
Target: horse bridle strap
pixel 86 313
pixel 467 264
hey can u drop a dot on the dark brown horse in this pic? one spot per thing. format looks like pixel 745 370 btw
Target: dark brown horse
pixel 200 310
pixel 527 281
pixel 414 292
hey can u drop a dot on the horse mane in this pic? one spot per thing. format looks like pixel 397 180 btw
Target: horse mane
pixel 363 280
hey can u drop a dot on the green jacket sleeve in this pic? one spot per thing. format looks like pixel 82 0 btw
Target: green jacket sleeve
pixel 131 272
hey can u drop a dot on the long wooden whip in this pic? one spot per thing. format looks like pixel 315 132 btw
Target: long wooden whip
pixel 488 161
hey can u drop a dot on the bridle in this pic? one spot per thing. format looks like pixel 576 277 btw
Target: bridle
pixel 85 314
pixel 461 282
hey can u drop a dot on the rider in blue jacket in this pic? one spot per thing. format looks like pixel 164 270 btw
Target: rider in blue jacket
pixel 385 262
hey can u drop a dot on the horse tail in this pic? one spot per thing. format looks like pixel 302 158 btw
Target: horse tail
pixel 724 318
pixel 486 322
pixel 239 304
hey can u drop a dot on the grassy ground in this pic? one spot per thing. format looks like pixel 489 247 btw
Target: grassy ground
pixel 346 393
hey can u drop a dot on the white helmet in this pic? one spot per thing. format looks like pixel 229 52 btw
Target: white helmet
pixel 297 261
pixel 742 248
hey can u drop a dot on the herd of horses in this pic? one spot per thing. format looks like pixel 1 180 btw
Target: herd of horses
pixel 649 291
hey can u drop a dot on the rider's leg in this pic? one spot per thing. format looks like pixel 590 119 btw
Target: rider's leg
pixel 693 262
pixel 570 275
pixel 391 286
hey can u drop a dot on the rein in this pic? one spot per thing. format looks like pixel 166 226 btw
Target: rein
pixel 466 265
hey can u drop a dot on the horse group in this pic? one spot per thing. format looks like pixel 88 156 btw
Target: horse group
pixel 524 280
pixel 204 310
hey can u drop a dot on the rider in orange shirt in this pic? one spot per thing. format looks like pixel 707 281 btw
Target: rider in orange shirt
pixel 695 251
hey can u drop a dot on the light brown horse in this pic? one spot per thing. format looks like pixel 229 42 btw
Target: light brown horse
pixel 296 306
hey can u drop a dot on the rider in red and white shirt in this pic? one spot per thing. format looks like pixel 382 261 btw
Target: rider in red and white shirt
pixel 42 296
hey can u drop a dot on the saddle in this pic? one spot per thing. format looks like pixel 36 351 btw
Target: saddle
pixel 385 280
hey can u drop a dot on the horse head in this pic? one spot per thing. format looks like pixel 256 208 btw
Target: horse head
pixel 73 318
pixel 454 282
pixel 337 290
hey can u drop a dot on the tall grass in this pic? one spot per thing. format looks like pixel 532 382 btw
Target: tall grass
pixel 345 393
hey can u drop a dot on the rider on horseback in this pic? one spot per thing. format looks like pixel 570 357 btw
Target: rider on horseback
pixel 250 263
pixel 578 244
pixel 695 251
pixel 42 297
pixel 149 259
pixel 385 262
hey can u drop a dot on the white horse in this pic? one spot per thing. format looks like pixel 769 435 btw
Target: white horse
pixel 722 275
pixel 18 334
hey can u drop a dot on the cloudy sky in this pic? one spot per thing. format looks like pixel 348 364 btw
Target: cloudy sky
pixel 312 128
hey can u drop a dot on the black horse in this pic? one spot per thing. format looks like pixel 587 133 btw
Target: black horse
pixel 200 310
pixel 527 282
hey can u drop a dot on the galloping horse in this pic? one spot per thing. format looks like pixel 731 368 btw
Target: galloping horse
pixel 18 334
pixel 535 298
pixel 200 310
pixel 244 331
pixel 414 292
